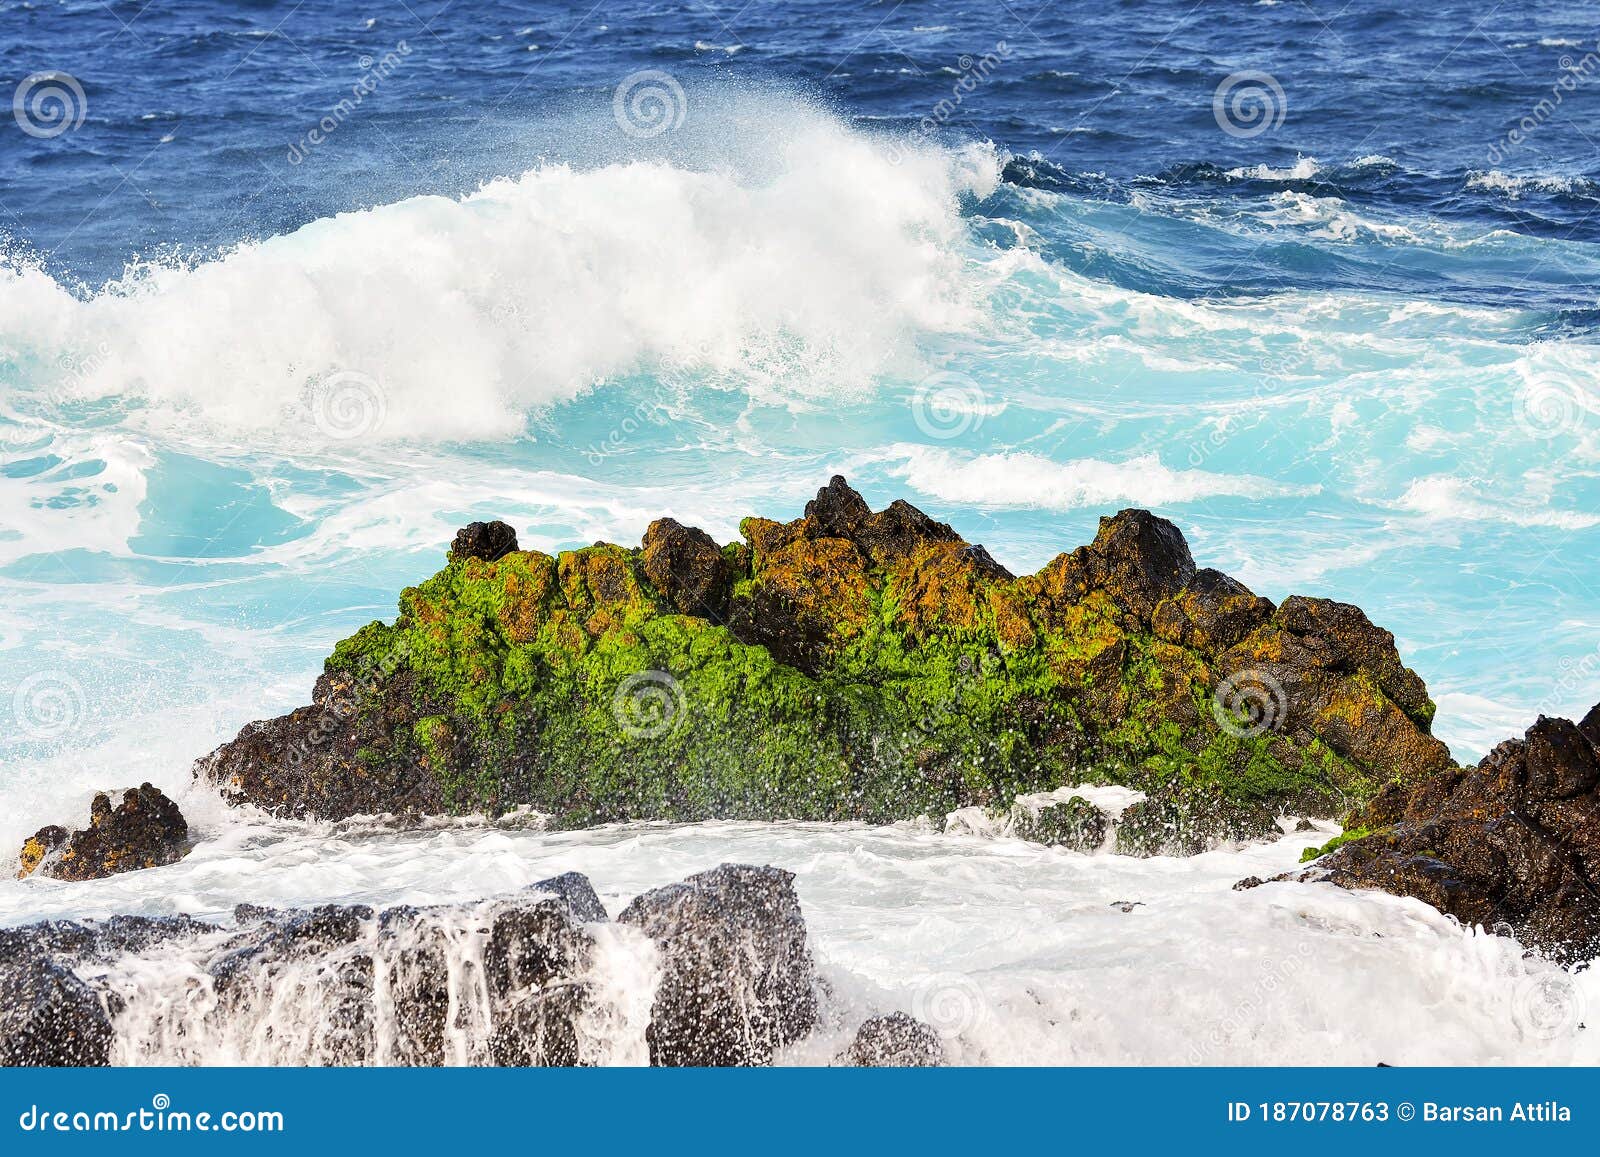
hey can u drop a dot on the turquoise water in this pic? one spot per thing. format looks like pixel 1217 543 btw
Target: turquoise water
pixel 251 384
pixel 216 469
pixel 245 398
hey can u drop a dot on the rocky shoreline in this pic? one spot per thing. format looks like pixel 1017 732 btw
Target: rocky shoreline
pixel 847 665
pixel 1512 845
pixel 516 980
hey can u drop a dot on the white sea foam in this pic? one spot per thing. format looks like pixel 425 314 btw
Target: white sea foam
pixel 1514 185
pixel 1030 480
pixel 1332 219
pixel 1303 169
pixel 1455 498
pixel 1015 953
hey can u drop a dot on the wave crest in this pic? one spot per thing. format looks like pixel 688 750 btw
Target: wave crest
pixel 467 313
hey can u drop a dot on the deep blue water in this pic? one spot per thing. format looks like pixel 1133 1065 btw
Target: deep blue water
pixel 1351 354
pixel 191 110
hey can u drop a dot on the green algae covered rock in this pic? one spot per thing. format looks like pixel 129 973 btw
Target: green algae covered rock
pixel 847 665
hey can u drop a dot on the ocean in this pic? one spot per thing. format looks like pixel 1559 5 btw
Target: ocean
pixel 288 295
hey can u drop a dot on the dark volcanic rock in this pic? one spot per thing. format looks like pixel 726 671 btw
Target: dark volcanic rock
pixel 536 960
pixel 737 980
pixel 146 830
pixel 686 565
pixel 1136 558
pixel 1166 825
pixel 895 1041
pixel 1211 613
pixel 1353 643
pixel 486 540
pixel 1510 844
pixel 49 1017
pixel 505 981
pixel 1318 669
pixel 576 895
pixel 837 511
pixel 310 762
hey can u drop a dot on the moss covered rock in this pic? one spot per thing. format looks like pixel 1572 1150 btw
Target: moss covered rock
pixel 849 664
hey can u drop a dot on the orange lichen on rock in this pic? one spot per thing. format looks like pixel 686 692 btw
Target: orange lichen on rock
pixel 849 663
pixel 144 831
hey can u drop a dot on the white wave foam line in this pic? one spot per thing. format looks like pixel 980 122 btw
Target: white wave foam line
pixel 460 315
pixel 1442 496
pixel 1014 953
pixel 1514 185
pixel 1332 219
pixel 1303 169
pixel 1024 479
pixel 90 500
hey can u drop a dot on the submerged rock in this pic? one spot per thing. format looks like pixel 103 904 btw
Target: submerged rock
pixel 737 980
pixel 895 1041
pixel 145 830
pixel 848 664
pixel 506 981
pixel 1511 844
pixel 1072 823
pixel 49 1015
pixel 1168 824
pixel 576 895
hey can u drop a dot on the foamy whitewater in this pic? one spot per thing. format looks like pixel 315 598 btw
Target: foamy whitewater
pixel 217 464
